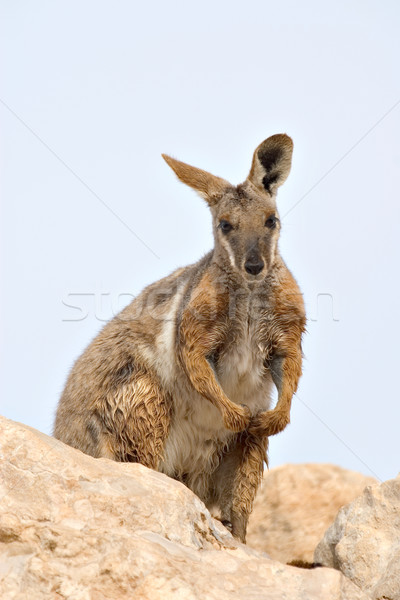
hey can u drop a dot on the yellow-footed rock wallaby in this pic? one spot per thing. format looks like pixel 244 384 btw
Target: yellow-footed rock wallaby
pixel 181 380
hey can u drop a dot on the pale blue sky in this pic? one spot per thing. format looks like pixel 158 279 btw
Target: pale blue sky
pixel 92 93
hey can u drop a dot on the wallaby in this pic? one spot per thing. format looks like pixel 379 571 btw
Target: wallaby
pixel 181 380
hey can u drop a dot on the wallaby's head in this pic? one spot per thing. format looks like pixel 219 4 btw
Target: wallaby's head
pixel 245 218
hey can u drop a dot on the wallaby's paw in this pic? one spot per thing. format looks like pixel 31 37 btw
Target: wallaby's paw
pixel 269 423
pixel 237 419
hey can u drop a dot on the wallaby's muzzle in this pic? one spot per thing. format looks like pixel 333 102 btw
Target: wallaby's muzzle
pixel 254 262
pixel 254 266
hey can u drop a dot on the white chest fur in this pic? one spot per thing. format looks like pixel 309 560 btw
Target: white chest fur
pixel 242 374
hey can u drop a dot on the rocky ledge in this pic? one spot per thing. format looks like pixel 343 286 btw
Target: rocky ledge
pixel 77 528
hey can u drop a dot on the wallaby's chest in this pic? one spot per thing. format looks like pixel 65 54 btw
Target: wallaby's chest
pixel 241 369
pixel 238 362
pixel 197 433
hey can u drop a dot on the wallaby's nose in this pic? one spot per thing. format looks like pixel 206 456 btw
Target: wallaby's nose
pixel 254 267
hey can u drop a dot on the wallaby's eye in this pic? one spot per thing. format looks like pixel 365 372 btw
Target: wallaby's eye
pixel 271 222
pixel 225 226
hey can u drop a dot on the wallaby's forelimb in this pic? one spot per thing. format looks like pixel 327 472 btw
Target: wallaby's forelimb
pixel 199 338
pixel 285 372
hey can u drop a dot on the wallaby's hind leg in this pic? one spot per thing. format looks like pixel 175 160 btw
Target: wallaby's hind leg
pixel 237 479
pixel 137 416
pixel 247 481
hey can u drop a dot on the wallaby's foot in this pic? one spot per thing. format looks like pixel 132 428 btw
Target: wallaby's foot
pixel 269 423
pixel 237 418
pixel 239 526
pixel 227 525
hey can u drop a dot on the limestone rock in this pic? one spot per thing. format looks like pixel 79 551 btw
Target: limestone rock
pixel 77 528
pixel 364 541
pixel 295 506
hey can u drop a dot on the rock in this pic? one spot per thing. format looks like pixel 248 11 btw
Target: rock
pixel 295 506
pixel 364 541
pixel 77 528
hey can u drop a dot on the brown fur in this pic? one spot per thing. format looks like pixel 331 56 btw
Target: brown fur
pixel 180 380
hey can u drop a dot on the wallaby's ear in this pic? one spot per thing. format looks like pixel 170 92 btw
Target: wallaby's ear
pixel 209 186
pixel 271 164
